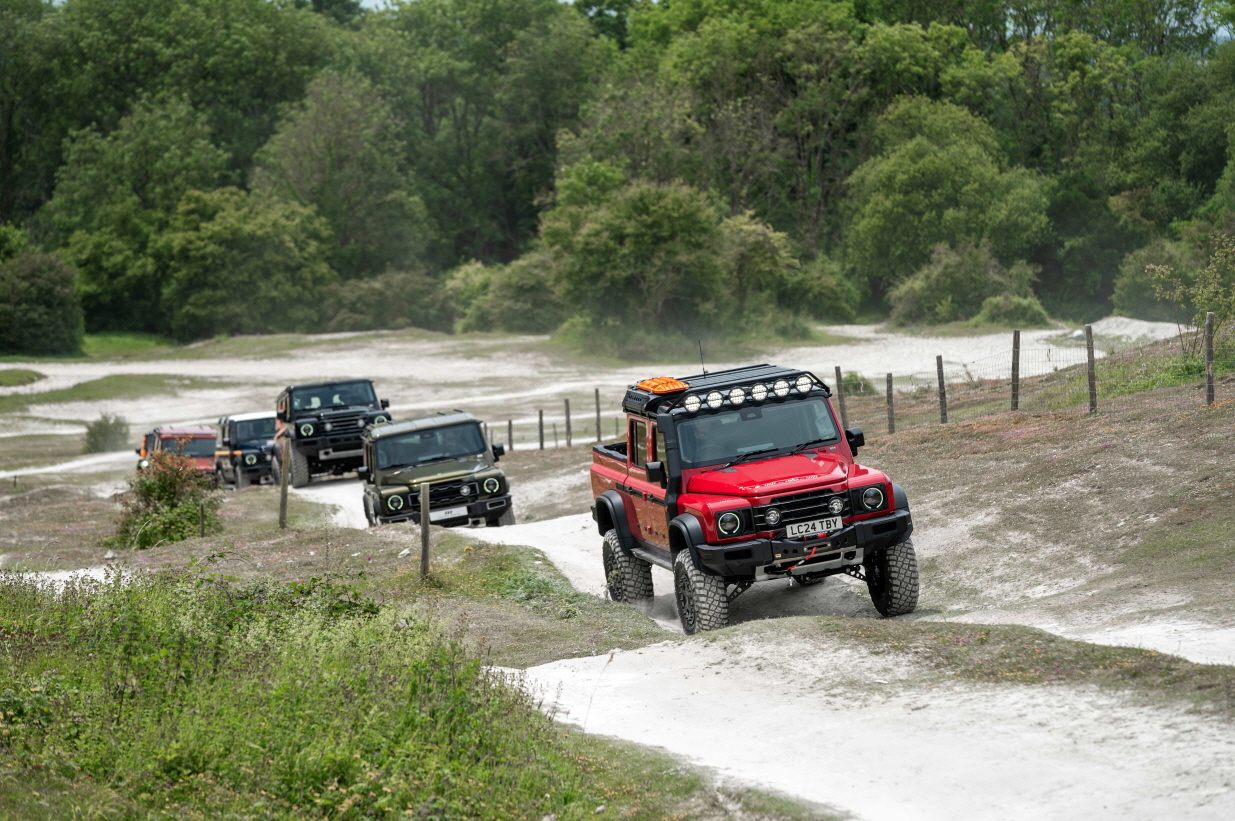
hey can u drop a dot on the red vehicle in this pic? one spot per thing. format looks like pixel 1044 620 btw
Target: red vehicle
pixel 196 441
pixel 740 476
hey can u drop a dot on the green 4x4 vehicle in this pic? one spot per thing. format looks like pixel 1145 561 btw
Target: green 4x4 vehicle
pixel 324 422
pixel 447 450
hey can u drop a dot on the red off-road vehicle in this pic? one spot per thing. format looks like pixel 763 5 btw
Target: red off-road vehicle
pixel 740 476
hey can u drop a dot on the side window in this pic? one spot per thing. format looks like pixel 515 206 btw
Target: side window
pixel 638 443
pixel 658 446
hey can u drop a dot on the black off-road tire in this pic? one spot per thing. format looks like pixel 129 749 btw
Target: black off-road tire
pixel 702 600
pixel 628 579
pixel 220 481
pixel 892 578
pixel 276 470
pixel 300 468
pixel 505 520
pixel 368 512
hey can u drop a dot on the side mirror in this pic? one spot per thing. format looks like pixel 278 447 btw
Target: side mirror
pixel 499 450
pixel 363 473
pixel 656 472
pixel 385 404
pixel 856 439
pixel 138 451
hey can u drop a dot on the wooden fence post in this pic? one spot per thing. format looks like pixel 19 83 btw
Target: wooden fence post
pixel 284 471
pixel 424 530
pixel 567 423
pixel 891 415
pixel 1209 358
pixel 943 392
pixel 1093 374
pixel 510 434
pixel 1016 370
pixel 541 414
pixel 840 397
pixel 598 416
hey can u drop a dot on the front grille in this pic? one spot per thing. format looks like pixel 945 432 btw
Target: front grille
pixel 447 493
pixel 800 507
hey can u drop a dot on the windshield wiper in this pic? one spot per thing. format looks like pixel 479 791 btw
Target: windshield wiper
pixel 806 445
pixel 739 460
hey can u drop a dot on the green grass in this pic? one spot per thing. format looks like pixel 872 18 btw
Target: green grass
pixel 116 386
pixel 16 377
pixel 123 344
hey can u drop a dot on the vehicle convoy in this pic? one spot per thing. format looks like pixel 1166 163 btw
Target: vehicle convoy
pixel 323 423
pixel 448 451
pixel 245 449
pixel 194 441
pixel 741 476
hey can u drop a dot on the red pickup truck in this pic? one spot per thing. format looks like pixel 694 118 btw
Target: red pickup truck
pixel 739 476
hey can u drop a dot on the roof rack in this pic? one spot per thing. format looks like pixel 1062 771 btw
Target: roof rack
pixel 756 383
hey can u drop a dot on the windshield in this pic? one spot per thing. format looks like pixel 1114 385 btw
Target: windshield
pixel 334 395
pixel 721 437
pixel 190 447
pixel 255 429
pixel 430 445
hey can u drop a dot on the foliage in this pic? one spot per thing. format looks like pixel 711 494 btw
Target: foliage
pixel 169 501
pixel 1008 311
pixel 521 297
pixel 1136 293
pixel 40 312
pixel 13 241
pixel 338 152
pixel 1211 289
pixel 394 300
pixel 241 263
pixel 107 433
pixel 959 282
pixel 855 384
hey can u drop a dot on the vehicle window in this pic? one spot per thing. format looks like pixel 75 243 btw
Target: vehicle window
pixel 253 429
pixel 639 443
pixel 720 437
pixel 190 446
pixel 658 447
pixel 334 395
pixel 435 444
pixel 149 444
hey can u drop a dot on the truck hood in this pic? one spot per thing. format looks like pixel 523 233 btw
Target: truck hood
pixel 438 471
pixel 787 474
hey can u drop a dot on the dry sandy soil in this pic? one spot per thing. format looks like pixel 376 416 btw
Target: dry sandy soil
pixel 1114 530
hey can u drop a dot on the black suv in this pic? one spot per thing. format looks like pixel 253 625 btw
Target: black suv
pixel 324 422
pixel 246 444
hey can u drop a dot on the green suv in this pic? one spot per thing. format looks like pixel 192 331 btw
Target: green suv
pixel 447 450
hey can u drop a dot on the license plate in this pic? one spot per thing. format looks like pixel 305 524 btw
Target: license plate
pixel 813 528
pixel 447 513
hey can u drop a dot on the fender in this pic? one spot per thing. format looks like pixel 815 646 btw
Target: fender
pixel 610 513
pixel 900 497
pixel 685 532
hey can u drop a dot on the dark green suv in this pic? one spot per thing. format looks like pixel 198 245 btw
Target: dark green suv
pixel 324 422
pixel 447 450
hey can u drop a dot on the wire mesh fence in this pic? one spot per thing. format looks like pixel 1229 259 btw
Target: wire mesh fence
pixel 1183 372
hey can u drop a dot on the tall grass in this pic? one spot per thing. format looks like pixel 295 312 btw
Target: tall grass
pixel 186 693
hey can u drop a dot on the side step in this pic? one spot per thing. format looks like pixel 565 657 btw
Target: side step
pixel 652 558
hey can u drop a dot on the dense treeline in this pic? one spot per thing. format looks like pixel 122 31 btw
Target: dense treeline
pixel 239 166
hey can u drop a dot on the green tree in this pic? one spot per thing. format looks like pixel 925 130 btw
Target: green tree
pixel 957 283
pixel 27 70
pixel 40 313
pixel 116 193
pixel 339 151
pixel 242 263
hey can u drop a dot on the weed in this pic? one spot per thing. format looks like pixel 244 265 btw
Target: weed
pixel 169 501
pixel 107 433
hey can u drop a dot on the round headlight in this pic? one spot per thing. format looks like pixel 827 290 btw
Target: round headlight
pixel 466 490
pixel 379 419
pixel 772 516
pixel 143 464
pixel 250 458
pixel 836 505
pixel 872 498
pixel 737 396
pixel 306 429
pixel 780 387
pixel 692 403
pixel 729 523
pixel 804 384
pixel 492 485
pixel 715 400
pixel 360 423
pixel 395 503
pixel 759 392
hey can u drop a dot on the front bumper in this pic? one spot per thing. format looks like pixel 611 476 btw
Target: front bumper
pixel 760 557
pixel 489 508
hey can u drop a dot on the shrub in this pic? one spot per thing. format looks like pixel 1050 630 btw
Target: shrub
pixel 107 433
pixel 392 301
pixel 1135 294
pixel 521 297
pixel 955 285
pixel 166 503
pixel 1007 311
pixel 40 313
pixel 856 384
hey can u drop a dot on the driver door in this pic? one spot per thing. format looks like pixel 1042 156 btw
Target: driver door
pixel 647 499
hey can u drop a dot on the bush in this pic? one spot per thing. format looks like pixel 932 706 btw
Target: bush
pixel 521 297
pixel 955 285
pixel 107 433
pixel 856 384
pixel 1135 295
pixel 392 301
pixel 166 503
pixel 1007 311
pixel 40 313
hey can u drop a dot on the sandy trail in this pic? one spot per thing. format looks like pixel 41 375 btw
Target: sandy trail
pixel 841 727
